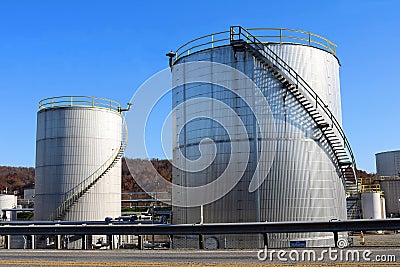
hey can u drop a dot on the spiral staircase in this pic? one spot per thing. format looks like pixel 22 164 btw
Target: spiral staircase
pixel 242 40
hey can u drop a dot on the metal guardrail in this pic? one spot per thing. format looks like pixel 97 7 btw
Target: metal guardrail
pixel 288 36
pixel 265 35
pixel 370 185
pixel 86 228
pixel 203 42
pixel 79 101
pixel 370 188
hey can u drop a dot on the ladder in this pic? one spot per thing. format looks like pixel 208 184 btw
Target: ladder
pixel 75 194
pixel 241 40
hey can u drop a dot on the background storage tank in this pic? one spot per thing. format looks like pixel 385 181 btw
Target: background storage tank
pixel 388 169
pixel 371 205
pixel 306 180
pixel 388 163
pixel 79 145
pixel 391 188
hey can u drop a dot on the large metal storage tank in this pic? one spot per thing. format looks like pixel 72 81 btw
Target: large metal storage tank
pixel 303 183
pixel 388 168
pixel 77 139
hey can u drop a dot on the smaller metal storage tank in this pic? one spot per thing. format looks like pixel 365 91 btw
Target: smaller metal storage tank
pixel 371 205
pixel 79 145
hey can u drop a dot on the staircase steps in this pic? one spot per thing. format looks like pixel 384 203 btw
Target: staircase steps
pixel 242 40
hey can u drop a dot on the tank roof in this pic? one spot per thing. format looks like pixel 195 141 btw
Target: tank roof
pixel 391 151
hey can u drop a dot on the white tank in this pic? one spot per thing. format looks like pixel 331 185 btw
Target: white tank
pixel 77 139
pixel 302 182
pixel 7 202
pixel 371 205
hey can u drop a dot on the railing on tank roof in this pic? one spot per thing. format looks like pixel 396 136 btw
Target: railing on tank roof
pixel 79 101
pixel 203 42
pixel 287 36
pixel 264 35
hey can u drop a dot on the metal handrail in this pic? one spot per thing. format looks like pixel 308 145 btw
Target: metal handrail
pixel 191 46
pixel 371 188
pixel 306 38
pixel 75 193
pixel 274 58
pixel 283 37
pixel 79 101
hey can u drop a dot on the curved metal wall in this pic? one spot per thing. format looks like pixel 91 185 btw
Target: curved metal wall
pixel 372 206
pixel 71 143
pixel 303 183
pixel 318 68
pixel 391 192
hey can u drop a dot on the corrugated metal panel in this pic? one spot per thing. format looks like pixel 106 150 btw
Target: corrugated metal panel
pixel 388 163
pixel 303 183
pixel 71 144
pixel 391 191
pixel 318 68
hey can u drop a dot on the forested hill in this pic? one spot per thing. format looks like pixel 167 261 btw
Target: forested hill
pixel 19 178
pixel 16 179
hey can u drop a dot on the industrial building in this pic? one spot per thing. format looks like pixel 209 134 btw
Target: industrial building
pixel 79 144
pixel 309 160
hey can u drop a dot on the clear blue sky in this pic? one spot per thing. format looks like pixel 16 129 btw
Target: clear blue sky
pixel 108 48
